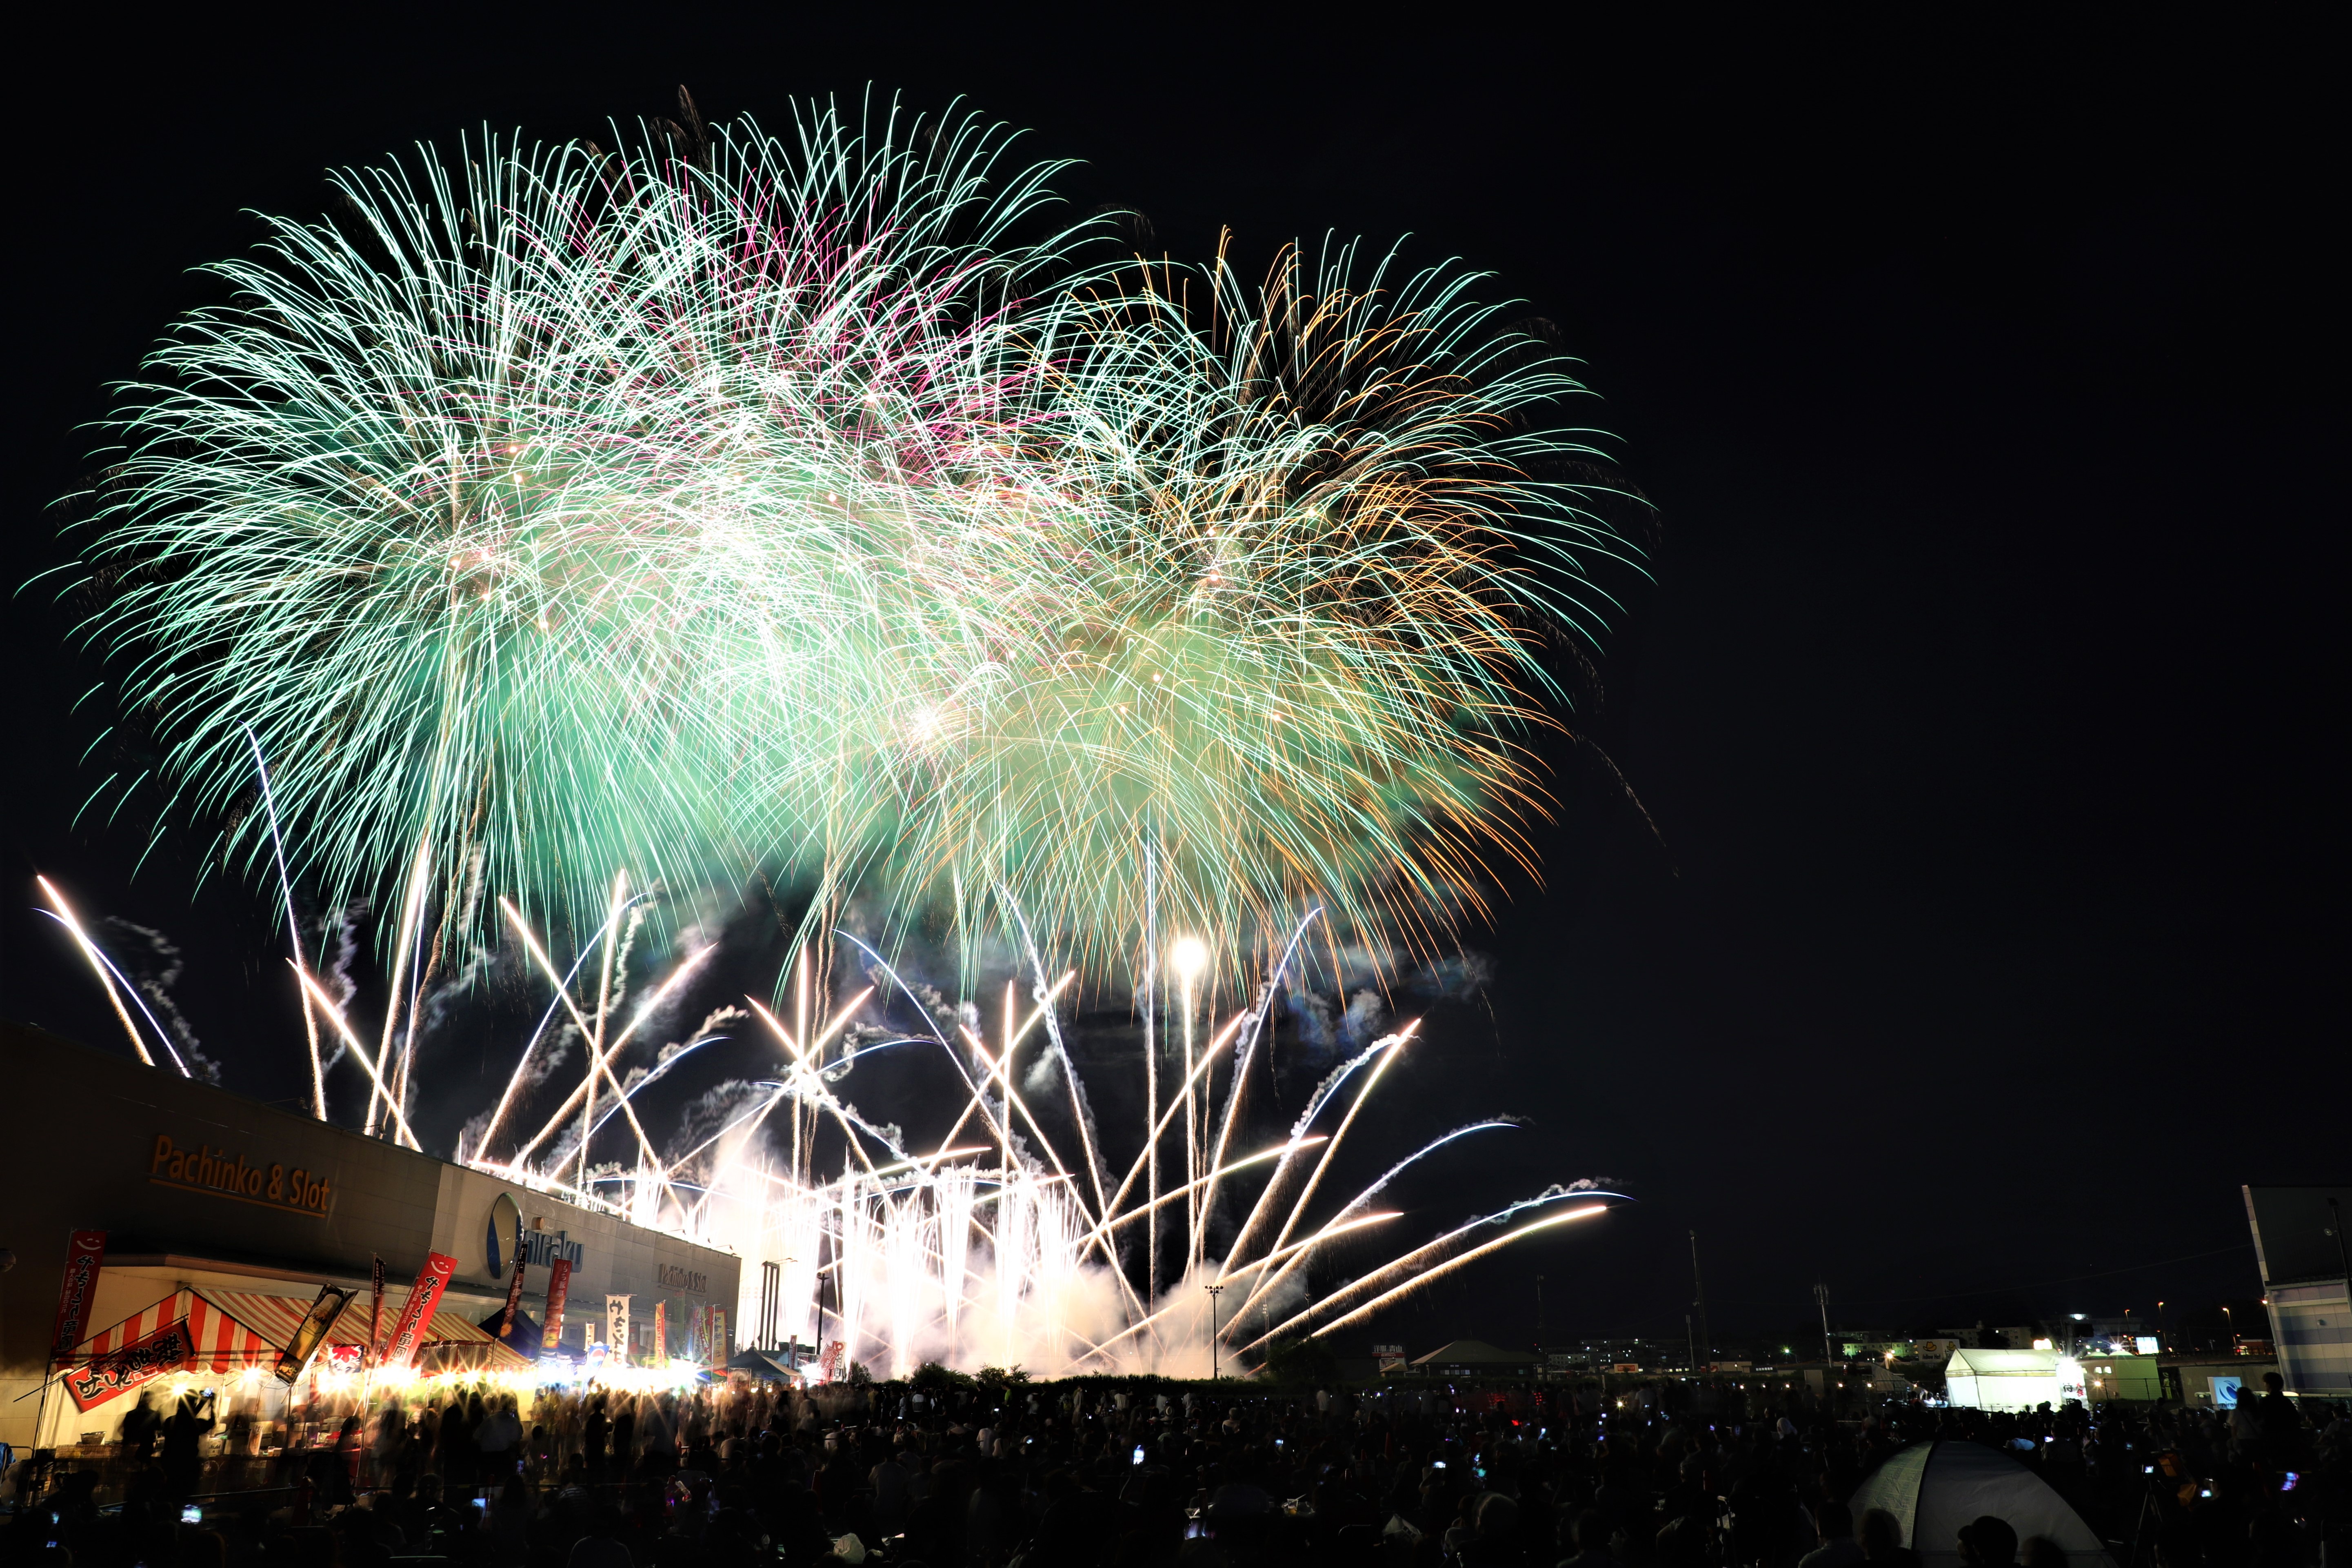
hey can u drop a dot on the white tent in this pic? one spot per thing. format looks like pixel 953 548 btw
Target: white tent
pixel 1934 1488
pixel 2012 1380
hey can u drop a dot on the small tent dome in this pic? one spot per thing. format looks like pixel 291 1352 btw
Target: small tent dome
pixel 1934 1488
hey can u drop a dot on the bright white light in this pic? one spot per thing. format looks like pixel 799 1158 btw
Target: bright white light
pixel 1189 956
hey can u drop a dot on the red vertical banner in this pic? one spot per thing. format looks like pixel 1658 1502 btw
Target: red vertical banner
pixel 375 1314
pixel 416 1317
pixel 661 1333
pixel 85 1255
pixel 559 1285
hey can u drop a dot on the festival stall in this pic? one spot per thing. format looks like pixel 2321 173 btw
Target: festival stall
pixel 229 1343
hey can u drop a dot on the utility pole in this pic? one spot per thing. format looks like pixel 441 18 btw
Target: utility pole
pixel 1699 1286
pixel 771 1301
pixel 1692 1335
pixel 822 1238
pixel 1214 1291
pixel 1821 1299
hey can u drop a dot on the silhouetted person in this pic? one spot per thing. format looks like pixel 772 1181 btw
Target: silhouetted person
pixel 625 1438
pixel 2041 1552
pixel 1881 1535
pixel 1838 1549
pixel 1989 1543
pixel 184 1429
pixel 600 1548
pixel 140 1426
pixel 593 1433
pixel 1590 1535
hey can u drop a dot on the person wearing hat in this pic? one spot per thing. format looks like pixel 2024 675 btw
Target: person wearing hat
pixel 1990 1543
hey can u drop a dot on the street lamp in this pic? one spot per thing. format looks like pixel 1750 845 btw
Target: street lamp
pixel 2335 1227
pixel 1214 1291
pixel 2230 1323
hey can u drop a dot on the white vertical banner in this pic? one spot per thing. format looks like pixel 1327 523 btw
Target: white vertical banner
pixel 617 1327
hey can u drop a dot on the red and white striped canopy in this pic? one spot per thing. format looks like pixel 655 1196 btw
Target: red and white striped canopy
pixel 220 1342
pixel 181 1333
pixel 451 1343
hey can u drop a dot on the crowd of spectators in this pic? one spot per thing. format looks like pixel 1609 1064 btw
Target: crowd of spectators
pixel 949 1476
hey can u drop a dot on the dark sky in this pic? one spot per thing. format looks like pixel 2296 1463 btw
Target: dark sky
pixel 1987 382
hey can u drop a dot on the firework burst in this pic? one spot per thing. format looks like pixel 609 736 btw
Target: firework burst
pixel 561 510
pixel 743 502
pixel 1304 546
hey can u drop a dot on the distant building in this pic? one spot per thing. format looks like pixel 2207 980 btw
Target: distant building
pixel 2118 1376
pixel 2010 1337
pixel 2019 1380
pixel 1475 1358
pixel 2300 1248
pixel 1936 1350
pixel 2212 1380
pixel 1605 1354
pixel 2010 1380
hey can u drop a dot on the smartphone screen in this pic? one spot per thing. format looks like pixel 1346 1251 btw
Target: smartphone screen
pixel 1138 1454
pixel 191 1514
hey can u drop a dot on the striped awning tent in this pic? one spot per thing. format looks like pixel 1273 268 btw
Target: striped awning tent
pixel 183 1332
pixel 451 1343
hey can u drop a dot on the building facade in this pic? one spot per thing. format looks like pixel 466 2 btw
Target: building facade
pixel 2300 1245
pixel 199 1190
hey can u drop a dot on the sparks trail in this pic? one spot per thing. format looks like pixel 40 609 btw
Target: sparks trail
pixel 987 1252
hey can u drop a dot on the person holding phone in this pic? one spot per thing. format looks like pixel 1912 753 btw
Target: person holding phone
pixel 183 1430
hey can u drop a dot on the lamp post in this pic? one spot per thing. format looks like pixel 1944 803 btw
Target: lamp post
pixel 2231 1324
pixel 1189 957
pixel 1698 1292
pixel 1214 1291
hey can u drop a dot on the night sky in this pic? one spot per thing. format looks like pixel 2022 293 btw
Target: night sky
pixel 1969 943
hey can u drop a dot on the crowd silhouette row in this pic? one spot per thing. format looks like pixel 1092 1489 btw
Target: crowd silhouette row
pixel 950 1474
